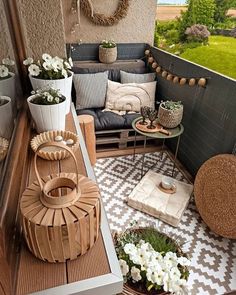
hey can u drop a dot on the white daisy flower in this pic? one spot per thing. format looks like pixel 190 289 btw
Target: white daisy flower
pixel 184 261
pixel 4 72
pixel 67 65
pixel 130 248
pixel 57 99
pixel 46 57
pixel 8 62
pixel 64 73
pixel 124 267
pixel 34 70
pixel 135 274
pixel 58 59
pixel 70 61
pixel 28 61
pixel 170 259
pixel 175 274
pixel 47 66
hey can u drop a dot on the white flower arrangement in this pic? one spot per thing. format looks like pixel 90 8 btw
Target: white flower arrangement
pixel 49 68
pixel 108 44
pixel 47 96
pixel 5 68
pixel 143 266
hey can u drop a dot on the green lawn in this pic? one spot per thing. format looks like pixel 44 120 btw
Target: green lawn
pixel 219 55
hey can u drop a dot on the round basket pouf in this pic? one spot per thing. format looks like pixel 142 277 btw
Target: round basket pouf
pixel 61 215
pixel 215 194
pixel 107 55
pixel 170 118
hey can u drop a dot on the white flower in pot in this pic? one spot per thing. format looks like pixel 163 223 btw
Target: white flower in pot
pixel 6 117
pixel 170 113
pixel 52 72
pixel 7 78
pixel 107 51
pixel 48 109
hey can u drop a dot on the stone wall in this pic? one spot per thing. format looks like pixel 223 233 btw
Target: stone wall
pixel 6 48
pixel 136 27
pixel 43 28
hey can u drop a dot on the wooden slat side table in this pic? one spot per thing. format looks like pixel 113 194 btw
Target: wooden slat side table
pixel 95 273
pixel 175 132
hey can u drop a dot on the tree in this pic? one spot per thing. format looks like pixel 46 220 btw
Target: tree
pixel 222 6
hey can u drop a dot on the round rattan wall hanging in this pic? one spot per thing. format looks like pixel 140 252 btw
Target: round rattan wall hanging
pixel 215 194
pixel 60 214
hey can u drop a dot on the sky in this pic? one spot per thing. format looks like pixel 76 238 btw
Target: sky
pixel 171 1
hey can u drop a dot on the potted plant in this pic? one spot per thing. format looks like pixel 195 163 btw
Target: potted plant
pixel 48 109
pixel 170 113
pixel 151 262
pixel 7 78
pixel 6 117
pixel 107 51
pixel 51 72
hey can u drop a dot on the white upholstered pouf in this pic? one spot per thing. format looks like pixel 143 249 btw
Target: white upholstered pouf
pixel 148 198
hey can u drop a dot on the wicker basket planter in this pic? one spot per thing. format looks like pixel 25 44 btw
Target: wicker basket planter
pixel 170 118
pixel 107 55
pixel 60 214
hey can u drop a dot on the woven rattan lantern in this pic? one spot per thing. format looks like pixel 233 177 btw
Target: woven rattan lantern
pixel 61 214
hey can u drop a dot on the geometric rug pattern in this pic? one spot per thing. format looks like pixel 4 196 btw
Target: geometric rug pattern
pixel 213 258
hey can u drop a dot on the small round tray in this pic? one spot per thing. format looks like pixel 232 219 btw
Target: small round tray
pixel 53 153
pixel 167 191
pixel 4 144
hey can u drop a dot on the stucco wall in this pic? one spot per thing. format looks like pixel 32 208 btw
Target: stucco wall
pixel 6 48
pixel 43 27
pixel 137 26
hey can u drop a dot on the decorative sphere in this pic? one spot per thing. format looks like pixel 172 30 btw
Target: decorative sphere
pixel 202 82
pixel 192 82
pixel 150 59
pixel 158 69
pixel 154 65
pixel 183 81
pixel 58 138
pixel 176 80
pixel 164 74
pixel 147 52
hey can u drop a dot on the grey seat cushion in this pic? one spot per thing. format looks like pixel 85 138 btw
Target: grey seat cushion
pixel 136 78
pixel 90 90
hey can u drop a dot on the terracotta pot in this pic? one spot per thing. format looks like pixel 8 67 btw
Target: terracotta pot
pixel 107 55
pixel 63 85
pixel 48 117
pixel 170 118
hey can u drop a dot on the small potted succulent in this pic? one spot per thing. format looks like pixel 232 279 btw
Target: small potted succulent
pixel 7 78
pixel 107 51
pixel 170 113
pixel 151 262
pixel 6 117
pixel 52 72
pixel 48 109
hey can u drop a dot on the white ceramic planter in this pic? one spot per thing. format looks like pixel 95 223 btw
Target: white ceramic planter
pixel 63 85
pixel 8 87
pixel 6 118
pixel 48 117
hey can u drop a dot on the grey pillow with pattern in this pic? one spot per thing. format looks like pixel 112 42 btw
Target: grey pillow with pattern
pixel 90 90
pixel 136 78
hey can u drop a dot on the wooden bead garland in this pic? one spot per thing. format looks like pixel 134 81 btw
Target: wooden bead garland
pixel 158 69
pixel 192 82
pixel 61 214
pixel 150 59
pixel 164 74
pixel 202 82
pixel 183 81
pixel 154 65
pixel 176 80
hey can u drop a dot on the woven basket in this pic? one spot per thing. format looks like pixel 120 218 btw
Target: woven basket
pixel 61 214
pixel 107 55
pixel 170 118
pixel 215 194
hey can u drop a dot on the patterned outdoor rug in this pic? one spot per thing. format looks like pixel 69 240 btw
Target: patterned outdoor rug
pixel 213 258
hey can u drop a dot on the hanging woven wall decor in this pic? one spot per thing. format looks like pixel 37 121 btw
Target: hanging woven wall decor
pixel 100 18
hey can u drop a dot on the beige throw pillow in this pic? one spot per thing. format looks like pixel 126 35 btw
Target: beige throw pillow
pixel 131 96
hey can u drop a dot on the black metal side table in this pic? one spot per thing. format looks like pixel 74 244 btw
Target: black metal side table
pixel 175 132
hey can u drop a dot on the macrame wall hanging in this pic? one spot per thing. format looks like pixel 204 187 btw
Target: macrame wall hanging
pixel 98 18
pixel 168 75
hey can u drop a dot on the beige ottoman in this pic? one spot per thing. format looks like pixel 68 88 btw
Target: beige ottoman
pixel 87 127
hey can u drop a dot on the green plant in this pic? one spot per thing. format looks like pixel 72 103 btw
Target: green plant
pixel 222 6
pixel 47 97
pixel 49 68
pixel 5 68
pixel 171 105
pixel 197 33
pixel 172 36
pixel 108 44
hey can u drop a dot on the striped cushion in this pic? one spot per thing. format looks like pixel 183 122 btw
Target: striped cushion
pixel 90 90
pixel 136 78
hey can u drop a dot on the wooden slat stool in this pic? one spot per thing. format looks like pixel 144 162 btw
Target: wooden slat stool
pixel 88 130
